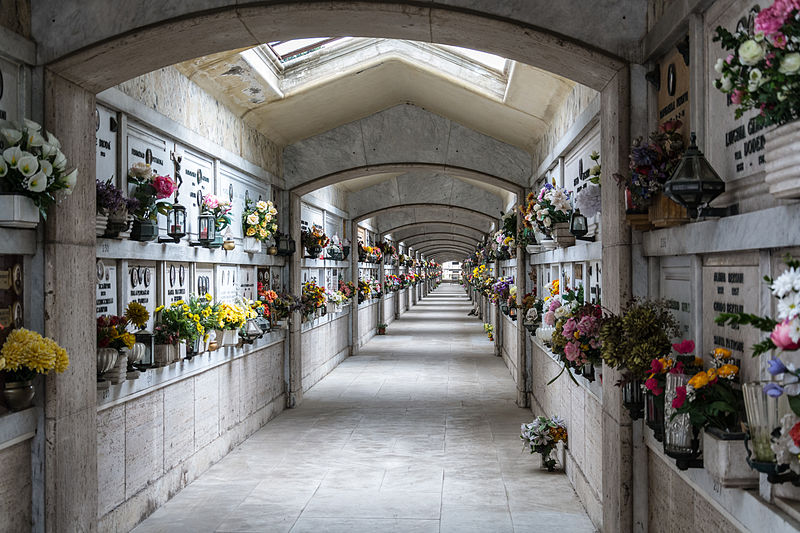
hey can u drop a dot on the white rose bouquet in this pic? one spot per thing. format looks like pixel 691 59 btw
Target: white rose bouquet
pixel 259 219
pixel 33 165
pixel 762 70
pixel 551 206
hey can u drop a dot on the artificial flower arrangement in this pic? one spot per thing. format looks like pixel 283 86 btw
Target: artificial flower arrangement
pixel 314 240
pixel 176 323
pixel 532 308
pixel 25 353
pixel 347 289
pixel 33 165
pixel 389 251
pixel 489 330
pixel 392 282
pixel 375 289
pixel 784 336
pixel 762 70
pixel 712 398
pixel 259 219
pixel 587 198
pixel 312 298
pixel 218 208
pixel 110 200
pixel 112 331
pixel 363 291
pixel 203 308
pixel 283 305
pixel 542 435
pixel 501 289
pixel 576 339
pixel 652 164
pixel 551 206
pixel 335 297
pixel 149 192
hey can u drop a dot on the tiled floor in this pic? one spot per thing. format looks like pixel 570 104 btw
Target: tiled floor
pixel 417 433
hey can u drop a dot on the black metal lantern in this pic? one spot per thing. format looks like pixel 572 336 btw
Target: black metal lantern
pixel 176 218
pixel 578 225
pixel 695 183
pixel 206 223
pixel 286 245
pixel 148 339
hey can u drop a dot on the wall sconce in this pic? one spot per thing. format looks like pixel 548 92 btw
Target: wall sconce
pixel 579 226
pixel 148 340
pixel 286 245
pixel 654 77
pixel 695 183
pixel 206 224
pixel 176 218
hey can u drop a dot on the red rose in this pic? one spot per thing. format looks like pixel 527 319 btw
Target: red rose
pixel 680 397
pixel 795 434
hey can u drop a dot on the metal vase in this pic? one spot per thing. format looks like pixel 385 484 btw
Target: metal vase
pixel 18 395
pixel 679 435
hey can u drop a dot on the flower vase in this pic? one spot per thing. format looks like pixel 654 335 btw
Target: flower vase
pixel 106 359
pixel 144 230
pixel 763 416
pixel 633 398
pixel 654 414
pixel 782 155
pixel 680 440
pixel 252 245
pixel 165 354
pixel 18 395
pixel 18 211
pixel 230 337
pixel 312 252
pixel 100 224
pixel 725 459
pixel 562 235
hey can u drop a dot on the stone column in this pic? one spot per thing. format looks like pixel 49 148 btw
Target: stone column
pixel 616 280
pixel 69 287
pixel 520 278
pixel 498 322
pixel 295 385
pixel 382 281
pixel 354 278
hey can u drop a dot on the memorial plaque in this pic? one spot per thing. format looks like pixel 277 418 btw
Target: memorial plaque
pixel 729 287
pixel 176 282
pixel 106 291
pixel 106 145
pixel 197 171
pixel 247 282
pixel 735 146
pixel 11 294
pixel 593 276
pixel 227 283
pixel 263 279
pixel 204 280
pixel 673 94
pixel 675 287
pixel 10 81
pixel 141 287
pixel 145 146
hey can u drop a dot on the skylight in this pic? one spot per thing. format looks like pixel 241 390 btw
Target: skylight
pixel 484 58
pixel 288 50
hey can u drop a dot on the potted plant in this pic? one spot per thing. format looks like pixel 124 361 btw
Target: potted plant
pixel 112 209
pixel 32 174
pixel 382 329
pixel 259 223
pixel 175 326
pixel 651 165
pixel 228 319
pixel 576 338
pixel 113 337
pixel 25 354
pixel 631 341
pixel 149 192
pixel 762 72
pixel 542 436
pixel 220 209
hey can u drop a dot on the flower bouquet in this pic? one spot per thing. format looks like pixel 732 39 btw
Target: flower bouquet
pixel 174 327
pixel 312 298
pixel 363 291
pixel 347 289
pixel 220 209
pixel 549 211
pixel 259 223
pixel 576 339
pixel 148 199
pixel 112 209
pixel 314 240
pixel 587 198
pixel 489 330
pixel 542 435
pixel 34 167
pixel 25 354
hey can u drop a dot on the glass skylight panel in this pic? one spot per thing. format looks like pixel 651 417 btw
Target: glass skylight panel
pixel 286 50
pixel 484 58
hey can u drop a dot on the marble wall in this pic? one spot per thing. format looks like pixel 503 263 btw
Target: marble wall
pixel 175 96
pixel 509 336
pixel 324 347
pixel 367 321
pixel 573 105
pixel 16 16
pixel 388 307
pixel 151 446
pixel 15 487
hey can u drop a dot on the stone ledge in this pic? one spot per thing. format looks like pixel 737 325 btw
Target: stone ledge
pixel 17 427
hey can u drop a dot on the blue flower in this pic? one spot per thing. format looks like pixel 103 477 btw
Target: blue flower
pixel 773 390
pixel 776 366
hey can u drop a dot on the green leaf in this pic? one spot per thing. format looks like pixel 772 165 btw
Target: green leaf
pixel 794 403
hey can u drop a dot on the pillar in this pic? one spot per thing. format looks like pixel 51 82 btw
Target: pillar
pixel 520 280
pixel 353 227
pixel 498 322
pixel 70 403
pixel 382 281
pixel 616 280
pixel 295 385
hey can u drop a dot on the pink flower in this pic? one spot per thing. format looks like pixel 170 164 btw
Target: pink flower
pixel 211 201
pixel 573 351
pixel 778 40
pixel 782 338
pixel 736 96
pixel 684 347
pixel 164 186
pixel 554 304
pixel 655 367
pixel 680 397
pixel 569 328
pixel 729 59
pixel 677 369
pixel 652 385
pixel 588 326
pixel 549 318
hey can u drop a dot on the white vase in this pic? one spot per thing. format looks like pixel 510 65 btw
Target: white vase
pixel 726 462
pixel 100 223
pixel 782 155
pixel 230 337
pixel 533 248
pixel 252 245
pixel 17 211
pixel 165 354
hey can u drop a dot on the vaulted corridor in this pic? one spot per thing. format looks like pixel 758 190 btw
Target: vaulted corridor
pixel 416 433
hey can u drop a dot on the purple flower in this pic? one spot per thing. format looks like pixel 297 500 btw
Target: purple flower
pixel 773 390
pixel 776 366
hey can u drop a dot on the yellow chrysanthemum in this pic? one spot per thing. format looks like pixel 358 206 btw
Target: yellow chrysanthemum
pixel 137 314
pixel 27 349
pixel 699 380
